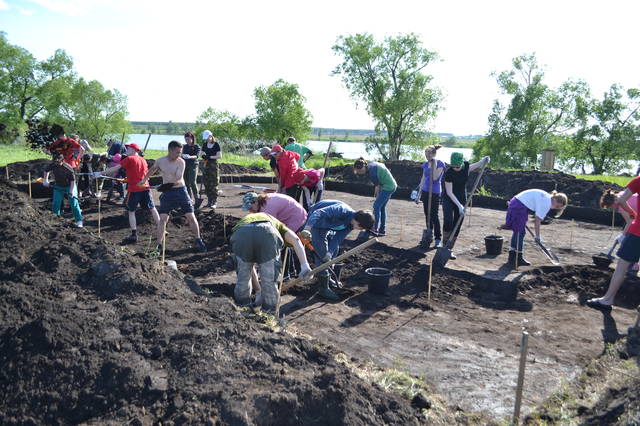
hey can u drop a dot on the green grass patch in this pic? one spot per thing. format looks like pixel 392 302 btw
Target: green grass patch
pixel 16 153
pixel 618 180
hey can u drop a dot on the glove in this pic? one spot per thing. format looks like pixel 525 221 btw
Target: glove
pixel 619 238
pixel 538 240
pixel 305 234
pixel 326 258
pixel 45 183
pixel 486 159
pixel 461 210
pixel 305 272
pixel 186 156
pixel 96 174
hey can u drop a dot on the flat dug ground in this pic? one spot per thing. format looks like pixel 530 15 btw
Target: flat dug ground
pixel 464 340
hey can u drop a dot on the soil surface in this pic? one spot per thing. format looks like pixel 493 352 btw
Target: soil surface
pixel 91 332
pixel 499 183
pixel 463 337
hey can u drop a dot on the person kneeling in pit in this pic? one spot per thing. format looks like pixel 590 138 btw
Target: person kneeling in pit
pixel 258 239
pixel 328 224
pixel 172 167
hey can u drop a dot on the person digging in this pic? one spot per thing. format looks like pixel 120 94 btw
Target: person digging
pixel 328 224
pixel 257 239
pixel 65 185
pixel 136 168
pixel 175 196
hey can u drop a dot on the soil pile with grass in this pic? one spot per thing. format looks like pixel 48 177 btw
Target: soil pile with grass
pixel 499 183
pixel 91 333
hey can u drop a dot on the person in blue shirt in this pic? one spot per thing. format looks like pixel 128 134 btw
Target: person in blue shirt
pixel 115 147
pixel 328 224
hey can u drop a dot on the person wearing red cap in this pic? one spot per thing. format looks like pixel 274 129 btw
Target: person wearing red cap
pixel 136 168
pixel 287 168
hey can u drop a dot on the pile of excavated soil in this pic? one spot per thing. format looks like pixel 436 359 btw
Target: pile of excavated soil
pixel 91 333
pixel 499 183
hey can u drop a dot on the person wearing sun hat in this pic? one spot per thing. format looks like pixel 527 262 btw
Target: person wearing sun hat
pixel 455 185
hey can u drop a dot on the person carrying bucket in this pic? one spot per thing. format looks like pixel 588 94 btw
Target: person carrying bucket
pixel 455 184
pixel 628 253
pixel 328 224
pixel 257 239
pixel 385 186
pixel 429 194
pixel 538 201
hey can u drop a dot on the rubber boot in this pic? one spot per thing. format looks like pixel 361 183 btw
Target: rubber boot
pixel 324 290
pixel 512 258
pixel 521 260
pixel 424 242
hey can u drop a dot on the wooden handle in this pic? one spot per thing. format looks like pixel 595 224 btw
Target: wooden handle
pixel 357 249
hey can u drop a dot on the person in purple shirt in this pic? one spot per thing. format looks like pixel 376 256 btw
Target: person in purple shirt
pixel 281 206
pixel 432 172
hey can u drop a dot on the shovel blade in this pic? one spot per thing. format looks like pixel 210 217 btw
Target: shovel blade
pixel 442 256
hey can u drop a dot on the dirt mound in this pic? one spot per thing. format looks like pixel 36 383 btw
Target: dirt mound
pixel 91 333
pixel 499 183
pixel 234 169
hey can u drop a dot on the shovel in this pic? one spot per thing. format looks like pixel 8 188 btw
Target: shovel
pixel 443 254
pixel 258 188
pixel 551 255
pixel 608 254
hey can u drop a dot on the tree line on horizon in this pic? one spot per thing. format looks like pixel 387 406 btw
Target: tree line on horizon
pixel 389 78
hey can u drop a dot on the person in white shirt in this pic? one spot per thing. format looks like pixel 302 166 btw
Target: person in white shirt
pixel 537 201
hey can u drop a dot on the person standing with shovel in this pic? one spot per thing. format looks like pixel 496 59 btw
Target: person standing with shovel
pixel 429 194
pixel 455 184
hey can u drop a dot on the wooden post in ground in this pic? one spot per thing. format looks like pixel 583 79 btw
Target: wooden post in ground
pixel 281 279
pixel 164 241
pixel 6 169
pixel 523 362
pixel 613 218
pixel 573 225
pixel 30 184
pixel 224 227
pixel 99 205
pixel 429 281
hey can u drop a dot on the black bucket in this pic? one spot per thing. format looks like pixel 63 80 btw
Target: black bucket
pixel 493 243
pixel 378 280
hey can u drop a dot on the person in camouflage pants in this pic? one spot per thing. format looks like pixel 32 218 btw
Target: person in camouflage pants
pixel 211 154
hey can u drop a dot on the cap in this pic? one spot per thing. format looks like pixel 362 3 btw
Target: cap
pixel 248 199
pixel 134 146
pixel 206 134
pixel 276 149
pixel 265 150
pixel 456 159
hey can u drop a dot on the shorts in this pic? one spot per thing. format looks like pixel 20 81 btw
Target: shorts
pixel 174 199
pixel 630 248
pixel 143 198
pixel 256 242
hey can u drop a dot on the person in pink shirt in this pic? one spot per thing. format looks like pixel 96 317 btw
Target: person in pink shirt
pixel 608 201
pixel 311 182
pixel 280 206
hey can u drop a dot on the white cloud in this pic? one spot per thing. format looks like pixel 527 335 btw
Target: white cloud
pixel 26 12
pixel 4 5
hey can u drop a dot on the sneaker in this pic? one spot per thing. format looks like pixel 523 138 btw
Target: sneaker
pixel 79 224
pixel 380 233
pixel 120 198
pixel 131 239
pixel 438 243
pixel 453 256
pixel 200 245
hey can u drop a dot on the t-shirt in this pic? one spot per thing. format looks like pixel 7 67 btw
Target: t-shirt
pixel 209 151
pixel 387 182
pixel 634 187
pixel 70 149
pixel 192 150
pixel 136 168
pixel 632 201
pixel 301 150
pixel 262 217
pixel 63 174
pixel 458 181
pixel 436 188
pixel 286 210
pixel 536 200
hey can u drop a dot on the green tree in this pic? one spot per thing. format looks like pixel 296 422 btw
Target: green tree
pixel 238 135
pixel 389 78
pixel 92 111
pixel 606 137
pixel 281 112
pixel 537 115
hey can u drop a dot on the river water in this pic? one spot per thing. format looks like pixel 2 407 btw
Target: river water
pixel 350 150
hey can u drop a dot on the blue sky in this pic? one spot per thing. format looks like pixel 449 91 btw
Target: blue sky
pixel 175 59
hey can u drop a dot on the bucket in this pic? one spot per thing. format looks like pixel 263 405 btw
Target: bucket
pixel 493 243
pixel 378 280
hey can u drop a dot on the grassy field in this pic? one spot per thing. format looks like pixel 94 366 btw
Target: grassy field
pixel 618 180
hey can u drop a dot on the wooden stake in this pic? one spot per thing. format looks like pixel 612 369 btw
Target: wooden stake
pixel 224 226
pixel 518 245
pixel 523 360
pixel 30 184
pixel 573 225
pixel 99 217
pixel 402 228
pixel 613 218
pixel 6 169
pixel 164 241
pixel 429 282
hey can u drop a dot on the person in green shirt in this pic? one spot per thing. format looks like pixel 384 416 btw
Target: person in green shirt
pixel 304 152
pixel 257 239
pixel 385 186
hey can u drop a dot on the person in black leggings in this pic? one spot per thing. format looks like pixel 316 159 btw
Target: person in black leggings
pixel 432 172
